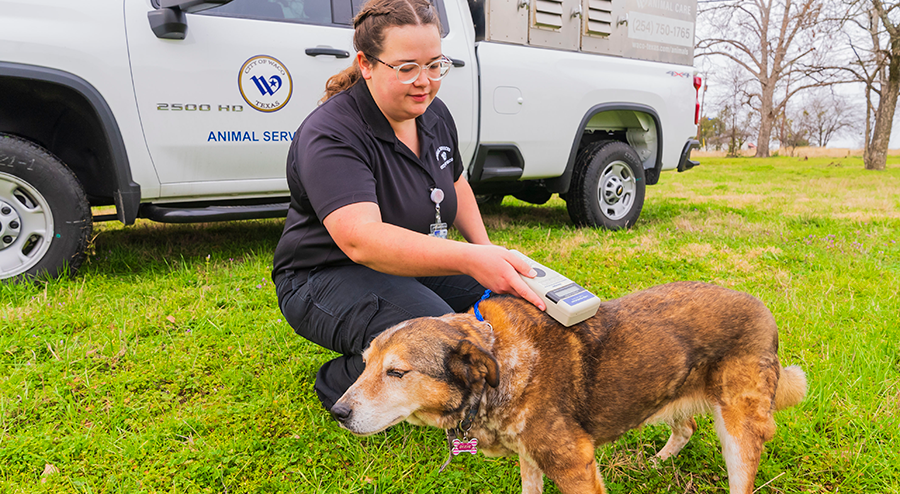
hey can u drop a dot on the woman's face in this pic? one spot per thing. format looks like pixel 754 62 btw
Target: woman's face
pixel 398 101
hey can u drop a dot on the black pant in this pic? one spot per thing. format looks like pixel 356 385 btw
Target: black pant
pixel 343 308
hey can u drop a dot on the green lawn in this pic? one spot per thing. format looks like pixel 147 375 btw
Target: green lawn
pixel 165 365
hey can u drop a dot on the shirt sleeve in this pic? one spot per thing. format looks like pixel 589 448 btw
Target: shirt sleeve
pixel 334 173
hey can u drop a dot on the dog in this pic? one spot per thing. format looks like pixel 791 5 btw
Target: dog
pixel 521 383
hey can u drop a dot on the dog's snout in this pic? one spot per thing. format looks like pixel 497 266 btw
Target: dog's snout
pixel 341 412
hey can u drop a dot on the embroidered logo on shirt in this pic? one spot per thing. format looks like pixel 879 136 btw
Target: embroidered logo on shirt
pixel 444 156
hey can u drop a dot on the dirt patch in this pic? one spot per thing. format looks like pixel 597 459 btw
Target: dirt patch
pixel 696 250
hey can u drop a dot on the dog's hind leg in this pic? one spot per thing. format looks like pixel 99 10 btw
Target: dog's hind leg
pixel 681 433
pixel 743 417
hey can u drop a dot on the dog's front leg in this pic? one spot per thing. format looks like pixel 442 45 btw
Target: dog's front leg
pixel 532 476
pixel 569 461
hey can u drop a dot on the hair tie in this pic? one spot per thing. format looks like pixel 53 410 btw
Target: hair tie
pixel 365 15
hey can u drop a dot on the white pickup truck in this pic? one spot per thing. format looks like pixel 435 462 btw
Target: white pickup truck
pixel 183 110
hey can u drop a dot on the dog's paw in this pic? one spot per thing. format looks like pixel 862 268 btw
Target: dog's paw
pixel 657 460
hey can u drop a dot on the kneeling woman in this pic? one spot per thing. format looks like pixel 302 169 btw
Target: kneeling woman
pixel 375 176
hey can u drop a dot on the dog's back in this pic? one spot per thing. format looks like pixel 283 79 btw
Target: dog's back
pixel 645 350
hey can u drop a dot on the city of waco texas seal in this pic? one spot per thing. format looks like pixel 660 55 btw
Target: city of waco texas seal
pixel 265 83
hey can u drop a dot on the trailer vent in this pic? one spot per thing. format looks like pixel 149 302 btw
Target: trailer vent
pixel 548 14
pixel 599 19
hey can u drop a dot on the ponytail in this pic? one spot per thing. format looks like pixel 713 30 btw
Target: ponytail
pixel 341 81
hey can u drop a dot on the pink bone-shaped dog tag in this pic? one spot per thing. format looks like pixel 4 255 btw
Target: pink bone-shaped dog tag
pixel 470 447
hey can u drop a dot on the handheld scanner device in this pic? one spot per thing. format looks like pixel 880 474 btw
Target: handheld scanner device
pixel 567 302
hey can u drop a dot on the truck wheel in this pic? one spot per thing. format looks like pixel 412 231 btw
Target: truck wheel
pixel 607 188
pixel 45 219
pixel 489 199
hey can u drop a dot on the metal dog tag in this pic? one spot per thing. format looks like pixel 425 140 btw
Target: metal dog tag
pixel 456 447
pixel 470 446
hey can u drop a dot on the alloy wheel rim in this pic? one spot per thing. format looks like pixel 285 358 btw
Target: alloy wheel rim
pixel 29 210
pixel 616 189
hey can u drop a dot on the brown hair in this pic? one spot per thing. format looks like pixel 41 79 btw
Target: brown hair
pixel 368 37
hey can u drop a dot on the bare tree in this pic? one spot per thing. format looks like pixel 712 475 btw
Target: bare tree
pixel 735 121
pixel 875 63
pixel 793 133
pixel 774 41
pixel 738 129
pixel 868 62
pixel 821 117
pixel 818 118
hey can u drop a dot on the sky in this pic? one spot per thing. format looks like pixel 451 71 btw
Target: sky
pixel 853 92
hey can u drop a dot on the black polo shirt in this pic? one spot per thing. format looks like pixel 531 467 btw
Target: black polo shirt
pixel 346 152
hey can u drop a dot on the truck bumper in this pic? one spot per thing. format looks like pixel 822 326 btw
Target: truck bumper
pixel 685 163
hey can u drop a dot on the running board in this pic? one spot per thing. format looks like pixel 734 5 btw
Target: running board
pixel 164 214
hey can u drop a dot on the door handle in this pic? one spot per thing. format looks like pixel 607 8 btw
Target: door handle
pixel 326 50
pixel 457 62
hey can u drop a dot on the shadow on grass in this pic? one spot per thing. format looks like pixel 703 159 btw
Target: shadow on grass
pixel 518 213
pixel 148 247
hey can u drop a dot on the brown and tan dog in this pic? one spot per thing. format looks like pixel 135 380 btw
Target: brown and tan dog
pixel 552 394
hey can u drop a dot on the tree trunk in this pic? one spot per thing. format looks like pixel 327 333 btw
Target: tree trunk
pixel 766 119
pixel 876 150
pixel 868 123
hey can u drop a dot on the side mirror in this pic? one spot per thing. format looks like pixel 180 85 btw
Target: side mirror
pixel 169 22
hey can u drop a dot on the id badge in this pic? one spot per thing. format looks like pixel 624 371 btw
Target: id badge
pixel 439 230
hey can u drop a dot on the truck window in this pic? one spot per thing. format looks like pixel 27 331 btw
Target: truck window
pixel 476 8
pixel 303 11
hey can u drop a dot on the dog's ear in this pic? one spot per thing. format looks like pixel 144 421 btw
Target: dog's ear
pixel 470 363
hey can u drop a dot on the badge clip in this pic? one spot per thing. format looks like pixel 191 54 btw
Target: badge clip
pixel 439 229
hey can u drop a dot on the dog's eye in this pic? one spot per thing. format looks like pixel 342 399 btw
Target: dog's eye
pixel 396 373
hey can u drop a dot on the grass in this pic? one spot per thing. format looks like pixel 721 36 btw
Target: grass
pixel 165 365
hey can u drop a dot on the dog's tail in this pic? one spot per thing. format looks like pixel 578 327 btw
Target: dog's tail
pixel 791 387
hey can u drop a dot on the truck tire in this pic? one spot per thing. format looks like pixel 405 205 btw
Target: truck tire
pixel 607 188
pixel 489 199
pixel 45 219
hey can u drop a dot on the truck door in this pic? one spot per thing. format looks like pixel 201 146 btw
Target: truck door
pixel 220 107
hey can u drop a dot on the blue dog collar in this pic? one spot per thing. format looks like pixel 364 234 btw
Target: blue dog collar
pixel 487 293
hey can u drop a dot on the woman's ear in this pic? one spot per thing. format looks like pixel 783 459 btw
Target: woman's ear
pixel 364 66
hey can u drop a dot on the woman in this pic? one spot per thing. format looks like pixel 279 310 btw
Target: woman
pixel 375 176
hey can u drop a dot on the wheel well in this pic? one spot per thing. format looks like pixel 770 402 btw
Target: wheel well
pixel 634 124
pixel 638 129
pixel 61 120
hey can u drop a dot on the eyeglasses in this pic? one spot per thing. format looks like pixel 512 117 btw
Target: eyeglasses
pixel 408 72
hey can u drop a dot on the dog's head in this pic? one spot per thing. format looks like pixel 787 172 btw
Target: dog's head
pixel 428 371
